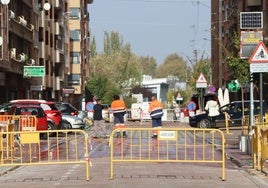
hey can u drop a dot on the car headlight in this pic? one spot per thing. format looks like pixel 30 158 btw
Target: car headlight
pixel 78 121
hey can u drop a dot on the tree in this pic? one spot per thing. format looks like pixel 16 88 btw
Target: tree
pixel 118 64
pixel 113 43
pixel 93 48
pixel 100 86
pixel 147 65
pixel 173 65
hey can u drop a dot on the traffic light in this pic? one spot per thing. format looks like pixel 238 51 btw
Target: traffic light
pixel 233 86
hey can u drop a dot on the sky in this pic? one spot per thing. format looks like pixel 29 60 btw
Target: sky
pixel 155 28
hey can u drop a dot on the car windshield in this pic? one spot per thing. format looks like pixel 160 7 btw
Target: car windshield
pixel 29 111
pixel 48 106
pixel 65 107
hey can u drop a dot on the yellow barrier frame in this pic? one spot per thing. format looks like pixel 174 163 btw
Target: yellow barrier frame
pixel 29 149
pixel 139 146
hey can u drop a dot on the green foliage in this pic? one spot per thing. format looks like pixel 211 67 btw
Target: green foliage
pixel 93 47
pixel 173 65
pixel 113 43
pixel 147 65
pixel 239 69
pixel 100 86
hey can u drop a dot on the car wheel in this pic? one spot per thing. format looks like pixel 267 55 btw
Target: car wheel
pixel 66 125
pixel 51 127
pixel 204 123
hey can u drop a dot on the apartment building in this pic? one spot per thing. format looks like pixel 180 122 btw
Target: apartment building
pixel 225 21
pixel 50 37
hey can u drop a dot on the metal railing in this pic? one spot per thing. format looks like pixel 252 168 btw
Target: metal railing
pixel 29 149
pixel 184 145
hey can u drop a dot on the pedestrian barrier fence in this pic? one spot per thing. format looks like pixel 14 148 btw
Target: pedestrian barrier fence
pixel 18 123
pixel 184 145
pixel 259 140
pixel 137 114
pixel 23 148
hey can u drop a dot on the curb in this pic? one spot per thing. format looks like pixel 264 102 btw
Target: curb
pixel 6 169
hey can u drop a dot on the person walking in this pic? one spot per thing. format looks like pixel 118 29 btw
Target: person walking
pixel 98 129
pixel 212 107
pixel 118 108
pixel 156 113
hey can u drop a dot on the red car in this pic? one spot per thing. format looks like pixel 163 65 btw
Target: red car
pixel 54 116
pixel 36 110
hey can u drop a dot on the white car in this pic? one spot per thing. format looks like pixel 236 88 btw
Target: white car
pixel 72 122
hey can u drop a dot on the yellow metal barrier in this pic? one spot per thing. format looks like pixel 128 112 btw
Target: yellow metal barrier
pixel 258 144
pixel 22 122
pixel 185 145
pixel 26 148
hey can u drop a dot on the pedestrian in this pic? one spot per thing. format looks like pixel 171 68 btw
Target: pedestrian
pixel 212 107
pixel 98 129
pixel 156 113
pixel 118 108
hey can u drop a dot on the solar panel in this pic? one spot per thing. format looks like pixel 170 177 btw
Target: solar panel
pixel 251 20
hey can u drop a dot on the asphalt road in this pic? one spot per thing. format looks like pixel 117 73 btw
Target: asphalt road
pixel 138 175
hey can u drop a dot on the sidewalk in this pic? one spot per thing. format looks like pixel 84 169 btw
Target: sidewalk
pixel 242 159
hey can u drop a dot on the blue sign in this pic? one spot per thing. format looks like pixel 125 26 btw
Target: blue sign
pixel 89 106
pixel 191 106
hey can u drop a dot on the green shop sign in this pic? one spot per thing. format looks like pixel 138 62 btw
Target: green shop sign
pixel 33 71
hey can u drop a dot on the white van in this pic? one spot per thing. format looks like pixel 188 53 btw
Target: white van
pixel 140 111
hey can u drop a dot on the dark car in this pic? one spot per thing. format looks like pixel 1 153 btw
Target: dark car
pixel 66 108
pixel 234 110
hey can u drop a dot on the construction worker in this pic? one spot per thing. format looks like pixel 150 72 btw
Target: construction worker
pixel 156 113
pixel 119 109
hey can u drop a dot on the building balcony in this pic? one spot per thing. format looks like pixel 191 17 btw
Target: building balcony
pixel 21 28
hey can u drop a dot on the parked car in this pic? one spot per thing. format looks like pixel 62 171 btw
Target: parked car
pixel 54 117
pixel 234 109
pixel 35 110
pixel 66 108
pixel 72 122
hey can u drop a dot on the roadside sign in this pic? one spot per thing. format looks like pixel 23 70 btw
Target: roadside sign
pixel 33 71
pixel 211 89
pixel 201 81
pixel 167 135
pixel 191 106
pixel 258 67
pixel 259 59
pixel 248 42
pixel 36 88
pixel 89 106
pixel 260 54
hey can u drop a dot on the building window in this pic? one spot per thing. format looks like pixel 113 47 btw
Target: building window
pixel 75 57
pixel 74 14
pixel 74 79
pixel 75 35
